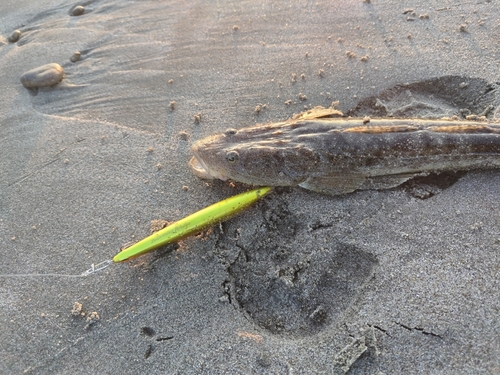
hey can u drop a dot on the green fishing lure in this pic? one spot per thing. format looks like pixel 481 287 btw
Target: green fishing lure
pixel 194 223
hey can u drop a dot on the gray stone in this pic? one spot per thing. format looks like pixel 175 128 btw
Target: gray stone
pixel 76 56
pixel 77 11
pixel 14 37
pixel 43 76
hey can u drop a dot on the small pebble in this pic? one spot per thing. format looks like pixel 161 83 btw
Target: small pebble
pixel 77 11
pixel 14 37
pixel 77 309
pixel 93 317
pixel 43 76
pixel 157 225
pixel 76 56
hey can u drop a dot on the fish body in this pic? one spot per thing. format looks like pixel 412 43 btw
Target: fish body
pixel 340 155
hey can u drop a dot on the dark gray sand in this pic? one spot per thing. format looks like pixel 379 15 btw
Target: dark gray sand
pixel 375 282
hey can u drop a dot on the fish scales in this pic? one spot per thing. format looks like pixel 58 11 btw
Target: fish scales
pixel 340 155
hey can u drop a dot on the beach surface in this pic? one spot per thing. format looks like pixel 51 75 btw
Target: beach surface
pixel 405 280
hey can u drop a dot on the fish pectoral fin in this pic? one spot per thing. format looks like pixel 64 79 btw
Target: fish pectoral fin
pixel 335 184
pixel 387 181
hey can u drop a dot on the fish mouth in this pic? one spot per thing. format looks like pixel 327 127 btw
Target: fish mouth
pixel 200 170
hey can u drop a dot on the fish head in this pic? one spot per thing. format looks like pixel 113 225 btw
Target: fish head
pixel 251 156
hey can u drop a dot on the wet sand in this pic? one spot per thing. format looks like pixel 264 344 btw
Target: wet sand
pixel 372 282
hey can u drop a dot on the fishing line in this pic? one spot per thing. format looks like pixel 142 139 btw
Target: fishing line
pixel 174 232
pixel 94 268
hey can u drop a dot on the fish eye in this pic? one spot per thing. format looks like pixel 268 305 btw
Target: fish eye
pixel 230 131
pixel 232 156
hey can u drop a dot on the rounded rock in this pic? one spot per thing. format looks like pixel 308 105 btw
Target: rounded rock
pixel 43 76
pixel 76 56
pixel 77 11
pixel 14 37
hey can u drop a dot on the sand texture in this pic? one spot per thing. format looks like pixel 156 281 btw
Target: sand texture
pixel 405 280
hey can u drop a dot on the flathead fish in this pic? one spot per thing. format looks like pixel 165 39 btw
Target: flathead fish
pixel 338 155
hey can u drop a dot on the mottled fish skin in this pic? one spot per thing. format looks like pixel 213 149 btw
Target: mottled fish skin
pixel 340 155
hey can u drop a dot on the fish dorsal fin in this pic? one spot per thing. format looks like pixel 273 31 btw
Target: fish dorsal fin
pixel 318 112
